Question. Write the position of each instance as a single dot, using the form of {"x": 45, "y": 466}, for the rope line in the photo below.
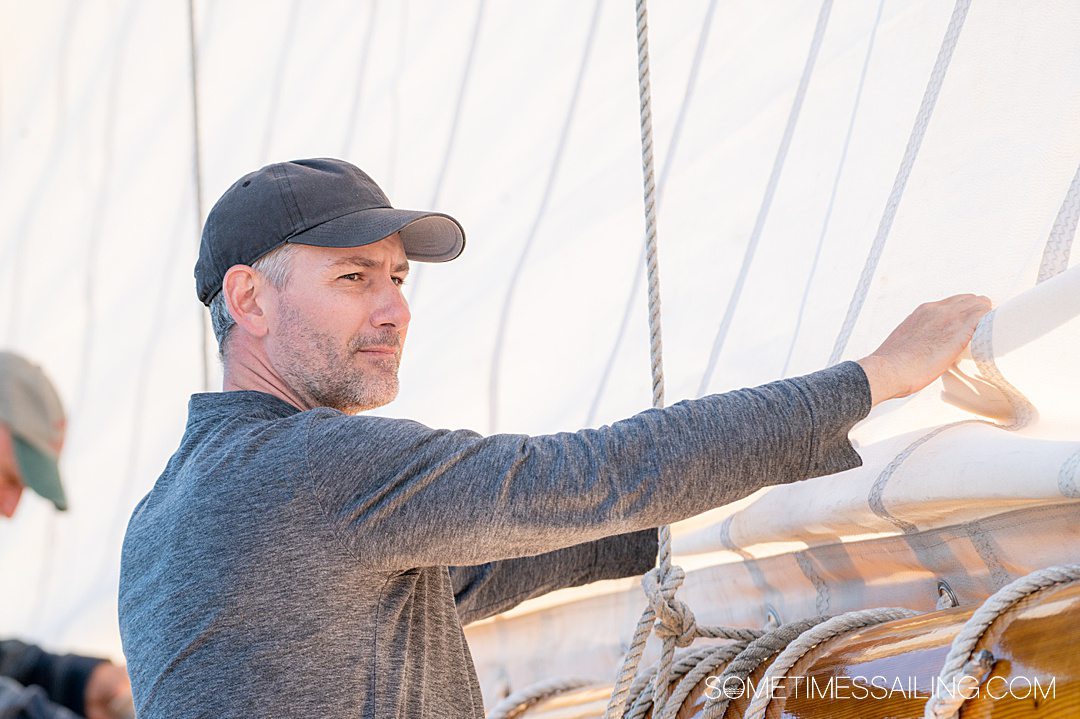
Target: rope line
{"x": 749, "y": 659}
{"x": 395, "y": 99}
{"x": 675, "y": 622}
{"x": 519, "y": 702}
{"x": 982, "y": 351}
{"x": 358, "y": 89}
{"x": 770, "y": 191}
{"x": 1068, "y": 476}
{"x": 911, "y": 152}
{"x": 196, "y": 171}
{"x": 669, "y": 161}
{"x": 962, "y": 672}
{"x": 451, "y": 139}
{"x": 835, "y": 190}
{"x": 809, "y": 639}
{"x": 1055, "y": 259}
{"x": 641, "y": 693}
{"x": 541, "y": 211}
{"x": 279, "y": 76}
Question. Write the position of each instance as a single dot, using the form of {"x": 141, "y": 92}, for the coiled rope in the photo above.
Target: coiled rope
{"x": 675, "y": 624}
{"x": 517, "y": 703}
{"x": 963, "y": 672}
{"x": 743, "y": 665}
{"x": 687, "y": 671}
{"x": 809, "y": 639}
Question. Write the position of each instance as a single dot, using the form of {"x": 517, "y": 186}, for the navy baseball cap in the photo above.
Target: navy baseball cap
{"x": 322, "y": 202}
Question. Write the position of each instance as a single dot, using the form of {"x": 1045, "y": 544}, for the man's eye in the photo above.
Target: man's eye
{"x": 351, "y": 276}
{"x": 399, "y": 281}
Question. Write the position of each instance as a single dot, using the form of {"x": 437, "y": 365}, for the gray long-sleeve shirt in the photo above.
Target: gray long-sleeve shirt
{"x": 296, "y": 564}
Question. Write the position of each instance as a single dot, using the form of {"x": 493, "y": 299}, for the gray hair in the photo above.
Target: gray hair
{"x": 274, "y": 266}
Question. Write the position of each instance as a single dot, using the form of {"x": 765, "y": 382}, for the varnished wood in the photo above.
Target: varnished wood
{"x": 1037, "y": 638}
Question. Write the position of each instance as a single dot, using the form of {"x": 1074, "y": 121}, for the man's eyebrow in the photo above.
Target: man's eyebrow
{"x": 367, "y": 262}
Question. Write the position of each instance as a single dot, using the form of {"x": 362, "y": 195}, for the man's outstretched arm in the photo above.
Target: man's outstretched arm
{"x": 403, "y": 495}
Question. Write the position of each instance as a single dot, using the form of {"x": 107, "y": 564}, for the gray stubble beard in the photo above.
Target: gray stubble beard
{"x": 335, "y": 382}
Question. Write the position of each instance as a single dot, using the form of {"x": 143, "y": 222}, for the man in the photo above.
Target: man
{"x": 35, "y": 684}
{"x": 294, "y": 557}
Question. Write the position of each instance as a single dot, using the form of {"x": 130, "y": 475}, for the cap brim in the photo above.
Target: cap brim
{"x": 426, "y": 236}
{"x": 40, "y": 472}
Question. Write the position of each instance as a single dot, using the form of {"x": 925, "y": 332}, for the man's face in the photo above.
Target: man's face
{"x": 338, "y": 326}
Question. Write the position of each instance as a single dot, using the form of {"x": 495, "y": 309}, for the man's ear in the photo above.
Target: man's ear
{"x": 242, "y": 288}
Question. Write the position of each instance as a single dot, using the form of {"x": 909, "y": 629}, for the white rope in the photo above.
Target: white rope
{"x": 982, "y": 351}
{"x": 766, "y": 202}
{"x": 506, "y": 308}
{"x": 911, "y": 152}
{"x": 756, "y": 652}
{"x": 665, "y": 170}
{"x": 811, "y": 276}
{"x": 418, "y": 272}
{"x": 705, "y": 667}
{"x": 808, "y": 640}
{"x": 1055, "y": 259}
{"x": 196, "y": 171}
{"x": 517, "y": 703}
{"x": 675, "y": 623}
{"x": 962, "y": 673}
{"x": 689, "y": 669}
{"x": 617, "y": 704}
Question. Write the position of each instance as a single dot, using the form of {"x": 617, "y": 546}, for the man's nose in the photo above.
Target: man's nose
{"x": 393, "y": 309}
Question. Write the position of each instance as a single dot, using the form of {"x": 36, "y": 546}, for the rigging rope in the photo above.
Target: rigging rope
{"x": 669, "y": 161}
{"x": 834, "y": 192}
{"x": 517, "y": 703}
{"x": 1055, "y": 259}
{"x": 451, "y": 139}
{"x": 204, "y": 315}
{"x": 911, "y": 152}
{"x": 541, "y": 211}
{"x": 740, "y": 668}
{"x": 809, "y": 639}
{"x": 962, "y": 672}
{"x": 770, "y": 191}
{"x": 358, "y": 90}
{"x": 675, "y": 622}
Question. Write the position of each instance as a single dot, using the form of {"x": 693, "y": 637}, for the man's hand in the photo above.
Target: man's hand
{"x": 923, "y": 346}
{"x": 108, "y": 693}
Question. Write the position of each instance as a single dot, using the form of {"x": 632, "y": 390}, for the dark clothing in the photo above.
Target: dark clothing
{"x": 41, "y": 685}
{"x": 298, "y": 562}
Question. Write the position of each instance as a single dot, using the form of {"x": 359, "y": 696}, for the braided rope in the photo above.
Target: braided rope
{"x": 809, "y": 639}
{"x": 675, "y": 623}
{"x": 1055, "y": 259}
{"x": 962, "y": 673}
{"x": 982, "y": 352}
{"x": 743, "y": 665}
{"x": 517, "y": 703}
{"x": 911, "y": 152}
{"x": 719, "y": 655}
{"x": 642, "y": 692}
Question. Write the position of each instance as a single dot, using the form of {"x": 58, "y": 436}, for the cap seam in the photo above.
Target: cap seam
{"x": 280, "y": 173}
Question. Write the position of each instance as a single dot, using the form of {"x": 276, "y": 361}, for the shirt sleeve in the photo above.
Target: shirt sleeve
{"x": 402, "y": 495}
{"x": 63, "y": 677}
{"x": 486, "y": 589}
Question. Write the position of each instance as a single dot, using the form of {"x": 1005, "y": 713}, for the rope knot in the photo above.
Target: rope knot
{"x": 674, "y": 618}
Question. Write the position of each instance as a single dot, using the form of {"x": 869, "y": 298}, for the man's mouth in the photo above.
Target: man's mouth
{"x": 381, "y": 350}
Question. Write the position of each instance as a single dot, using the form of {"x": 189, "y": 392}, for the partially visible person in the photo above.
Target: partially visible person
{"x": 35, "y": 684}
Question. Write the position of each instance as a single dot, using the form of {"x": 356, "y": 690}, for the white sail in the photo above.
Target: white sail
{"x": 823, "y": 168}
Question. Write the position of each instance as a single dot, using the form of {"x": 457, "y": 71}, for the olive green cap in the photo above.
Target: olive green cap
{"x": 32, "y": 411}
